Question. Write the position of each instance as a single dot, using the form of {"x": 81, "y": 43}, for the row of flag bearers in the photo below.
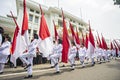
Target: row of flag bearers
{"x": 63, "y": 49}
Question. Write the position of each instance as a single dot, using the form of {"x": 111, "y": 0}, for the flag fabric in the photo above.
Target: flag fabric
{"x": 25, "y": 24}
{"x": 86, "y": 41}
{"x": 18, "y": 44}
{"x": 97, "y": 40}
{"x": 116, "y": 48}
{"x": 72, "y": 31}
{"x": 104, "y": 44}
{"x": 75, "y": 36}
{"x": 91, "y": 44}
{"x": 65, "y": 42}
{"x": 100, "y": 44}
{"x": 45, "y": 40}
{"x": 55, "y": 32}
{"x": 117, "y": 44}
{"x": 111, "y": 45}
{"x": 83, "y": 40}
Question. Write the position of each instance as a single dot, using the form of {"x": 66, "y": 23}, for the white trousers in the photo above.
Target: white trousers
{"x": 27, "y": 59}
{"x": 71, "y": 59}
{"x": 82, "y": 59}
{"x": 54, "y": 60}
{"x": 2, "y": 67}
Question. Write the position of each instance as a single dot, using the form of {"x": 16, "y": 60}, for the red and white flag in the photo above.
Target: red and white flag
{"x": 111, "y": 45}
{"x": 55, "y": 32}
{"x": 25, "y": 25}
{"x": 46, "y": 42}
{"x": 100, "y": 44}
{"x": 75, "y": 36}
{"x": 91, "y": 43}
{"x": 83, "y": 40}
{"x": 17, "y": 44}
{"x": 65, "y": 42}
{"x": 86, "y": 41}
{"x": 104, "y": 44}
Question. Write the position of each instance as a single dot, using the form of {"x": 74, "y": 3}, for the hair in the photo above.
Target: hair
{"x": 73, "y": 43}
{"x": 7, "y": 36}
{"x": 59, "y": 41}
{"x": 1, "y": 30}
{"x": 35, "y": 36}
{"x": 82, "y": 44}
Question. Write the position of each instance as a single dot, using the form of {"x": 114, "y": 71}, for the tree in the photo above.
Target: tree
{"x": 116, "y": 2}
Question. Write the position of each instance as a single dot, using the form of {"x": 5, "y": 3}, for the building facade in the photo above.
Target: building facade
{"x": 34, "y": 15}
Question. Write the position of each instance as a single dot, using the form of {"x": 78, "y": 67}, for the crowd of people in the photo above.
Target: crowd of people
{"x": 80, "y": 51}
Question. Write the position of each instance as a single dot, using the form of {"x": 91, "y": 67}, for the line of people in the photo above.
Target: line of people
{"x": 27, "y": 57}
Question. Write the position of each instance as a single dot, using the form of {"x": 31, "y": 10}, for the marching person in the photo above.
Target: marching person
{"x": 82, "y": 54}
{"x": 4, "y": 52}
{"x": 32, "y": 48}
{"x": 98, "y": 52}
{"x": 72, "y": 55}
{"x": 1, "y": 33}
{"x": 56, "y": 54}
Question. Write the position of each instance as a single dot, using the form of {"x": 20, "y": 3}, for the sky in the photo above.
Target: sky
{"x": 104, "y": 16}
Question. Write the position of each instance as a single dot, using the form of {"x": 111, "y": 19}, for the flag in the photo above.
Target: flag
{"x": 116, "y": 48}
{"x": 100, "y": 44}
{"x": 104, "y": 44}
{"x": 17, "y": 44}
{"x": 25, "y": 24}
{"x": 111, "y": 45}
{"x": 65, "y": 42}
{"x": 75, "y": 36}
{"x": 83, "y": 40}
{"x": 86, "y": 41}
{"x": 117, "y": 44}
{"x": 91, "y": 44}
{"x": 55, "y": 31}
{"x": 97, "y": 40}
{"x": 46, "y": 42}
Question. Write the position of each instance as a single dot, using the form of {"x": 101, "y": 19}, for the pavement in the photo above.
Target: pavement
{"x": 105, "y": 71}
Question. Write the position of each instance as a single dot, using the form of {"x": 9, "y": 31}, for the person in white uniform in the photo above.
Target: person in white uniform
{"x": 72, "y": 55}
{"x": 4, "y": 52}
{"x": 32, "y": 50}
{"x": 56, "y": 54}
{"x": 82, "y": 54}
{"x": 98, "y": 52}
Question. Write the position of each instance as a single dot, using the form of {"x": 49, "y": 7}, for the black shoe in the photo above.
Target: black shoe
{"x": 55, "y": 64}
{"x": 63, "y": 65}
{"x": 27, "y": 66}
{"x": 1, "y": 72}
{"x": 29, "y": 76}
{"x": 57, "y": 72}
{"x": 72, "y": 69}
{"x": 52, "y": 67}
{"x": 92, "y": 64}
{"x": 83, "y": 66}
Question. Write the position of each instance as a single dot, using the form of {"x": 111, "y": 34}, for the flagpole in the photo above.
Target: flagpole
{"x": 81, "y": 13}
{"x": 58, "y": 3}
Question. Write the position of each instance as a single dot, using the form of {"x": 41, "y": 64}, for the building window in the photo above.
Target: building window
{"x": 60, "y": 23}
{"x": 36, "y": 19}
{"x": 73, "y": 21}
{"x": 60, "y": 16}
{"x": 30, "y": 17}
{"x": 29, "y": 31}
{"x": 34, "y": 31}
{"x": 37, "y": 12}
{"x": 31, "y": 10}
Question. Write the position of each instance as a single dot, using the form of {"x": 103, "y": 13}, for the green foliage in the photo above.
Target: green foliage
{"x": 116, "y": 2}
